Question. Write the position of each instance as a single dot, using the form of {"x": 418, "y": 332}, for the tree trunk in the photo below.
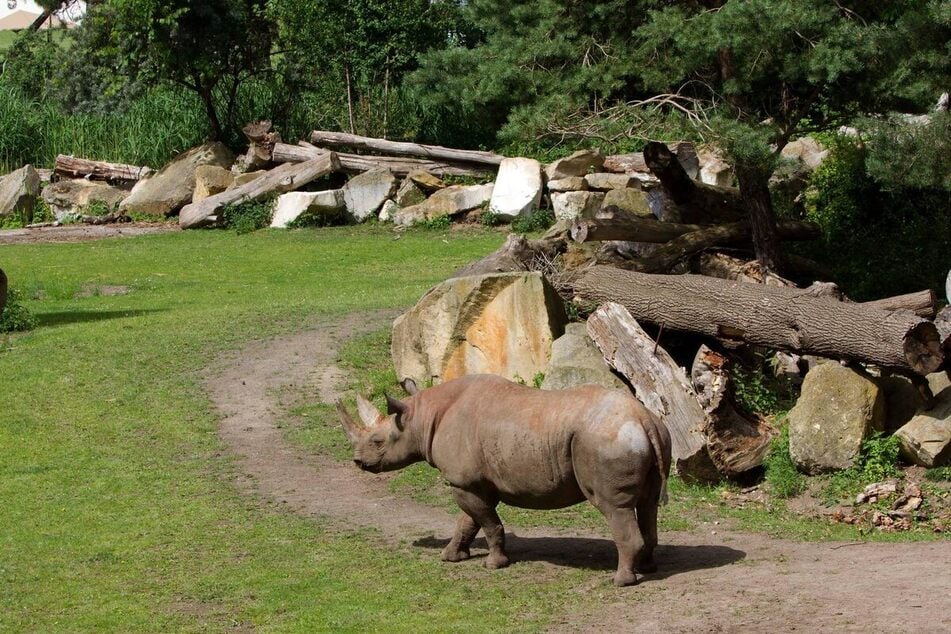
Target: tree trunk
{"x": 922, "y": 303}
{"x": 517, "y": 254}
{"x": 629, "y": 229}
{"x": 337, "y": 140}
{"x": 736, "y": 440}
{"x": 355, "y": 163}
{"x": 775, "y": 317}
{"x": 754, "y": 191}
{"x": 285, "y": 178}
{"x": 659, "y": 383}
{"x": 72, "y": 167}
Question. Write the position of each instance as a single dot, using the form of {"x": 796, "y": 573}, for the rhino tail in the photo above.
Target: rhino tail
{"x": 660, "y": 442}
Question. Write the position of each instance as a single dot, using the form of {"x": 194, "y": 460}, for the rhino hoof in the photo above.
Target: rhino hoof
{"x": 455, "y": 555}
{"x": 493, "y": 562}
{"x": 625, "y": 579}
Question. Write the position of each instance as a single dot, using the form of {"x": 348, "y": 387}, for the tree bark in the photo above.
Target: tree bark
{"x": 922, "y": 303}
{"x": 356, "y": 163}
{"x": 517, "y": 254}
{"x": 285, "y": 178}
{"x": 72, "y": 167}
{"x": 336, "y": 140}
{"x": 736, "y": 440}
{"x": 696, "y": 202}
{"x": 776, "y": 317}
{"x": 630, "y": 229}
{"x": 754, "y": 191}
{"x": 659, "y": 383}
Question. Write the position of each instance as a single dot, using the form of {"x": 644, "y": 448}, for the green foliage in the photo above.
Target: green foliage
{"x": 537, "y": 220}
{"x": 877, "y": 461}
{"x": 538, "y": 379}
{"x": 782, "y": 476}
{"x": 938, "y": 474}
{"x": 909, "y": 155}
{"x": 439, "y": 223}
{"x": 248, "y": 216}
{"x": 15, "y": 316}
{"x": 758, "y": 390}
{"x": 491, "y": 219}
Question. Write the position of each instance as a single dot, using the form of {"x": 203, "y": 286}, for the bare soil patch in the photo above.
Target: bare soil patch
{"x": 713, "y": 579}
{"x": 81, "y": 233}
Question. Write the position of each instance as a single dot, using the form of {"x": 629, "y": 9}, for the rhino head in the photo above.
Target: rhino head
{"x": 382, "y": 442}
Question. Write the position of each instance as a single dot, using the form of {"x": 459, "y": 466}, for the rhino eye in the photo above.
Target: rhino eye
{"x": 377, "y": 442}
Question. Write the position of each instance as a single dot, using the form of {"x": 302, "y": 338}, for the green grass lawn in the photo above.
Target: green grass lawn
{"x": 117, "y": 508}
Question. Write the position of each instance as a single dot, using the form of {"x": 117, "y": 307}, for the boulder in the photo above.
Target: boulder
{"x": 166, "y": 192}
{"x": 686, "y": 155}
{"x": 365, "y": 193}
{"x": 714, "y": 170}
{"x": 18, "y": 192}
{"x": 74, "y": 197}
{"x": 500, "y": 324}
{"x": 626, "y": 163}
{"x": 837, "y": 410}
{"x": 518, "y": 187}
{"x": 939, "y": 382}
{"x": 805, "y": 150}
{"x": 450, "y": 201}
{"x": 576, "y": 360}
{"x": 578, "y": 164}
{"x": 926, "y": 438}
{"x": 425, "y": 181}
{"x": 902, "y": 400}
{"x": 604, "y": 181}
{"x": 245, "y": 178}
{"x": 409, "y": 194}
{"x": 569, "y": 184}
{"x": 211, "y": 180}
{"x": 389, "y": 210}
{"x": 328, "y": 205}
{"x": 630, "y": 200}
{"x": 573, "y": 205}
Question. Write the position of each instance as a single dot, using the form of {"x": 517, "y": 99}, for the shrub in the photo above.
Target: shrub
{"x": 440, "y": 223}
{"x": 248, "y": 216}
{"x": 538, "y": 220}
{"x": 491, "y": 219}
{"x": 783, "y": 478}
{"x": 877, "y": 461}
{"x": 15, "y": 316}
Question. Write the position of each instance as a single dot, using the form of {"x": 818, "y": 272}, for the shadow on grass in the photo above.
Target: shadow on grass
{"x": 592, "y": 553}
{"x": 48, "y": 320}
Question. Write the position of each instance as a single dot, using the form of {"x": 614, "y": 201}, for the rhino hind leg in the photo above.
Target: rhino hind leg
{"x": 481, "y": 508}
{"x": 458, "y": 548}
{"x": 629, "y": 542}
{"x": 647, "y": 522}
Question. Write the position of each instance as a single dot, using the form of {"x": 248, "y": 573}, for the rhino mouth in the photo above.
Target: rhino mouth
{"x": 372, "y": 468}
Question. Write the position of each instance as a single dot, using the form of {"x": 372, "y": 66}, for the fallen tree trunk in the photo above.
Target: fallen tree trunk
{"x": 776, "y": 317}
{"x": 629, "y": 229}
{"x": 666, "y": 256}
{"x": 659, "y": 383}
{"x": 261, "y": 140}
{"x": 337, "y": 140}
{"x": 922, "y": 303}
{"x": 697, "y": 202}
{"x": 517, "y": 254}
{"x": 285, "y": 178}
{"x": 73, "y": 167}
{"x": 736, "y": 440}
{"x": 356, "y": 164}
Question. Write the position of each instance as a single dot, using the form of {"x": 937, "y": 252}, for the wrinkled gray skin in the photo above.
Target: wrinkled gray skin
{"x": 497, "y": 441}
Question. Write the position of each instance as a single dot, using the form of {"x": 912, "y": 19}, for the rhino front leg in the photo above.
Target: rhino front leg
{"x": 458, "y": 548}
{"x": 481, "y": 508}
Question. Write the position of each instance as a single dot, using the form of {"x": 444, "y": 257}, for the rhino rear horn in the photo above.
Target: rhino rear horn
{"x": 410, "y": 386}
{"x": 369, "y": 414}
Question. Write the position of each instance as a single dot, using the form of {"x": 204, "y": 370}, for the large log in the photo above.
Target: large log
{"x": 629, "y": 229}
{"x": 356, "y": 163}
{"x": 775, "y": 317}
{"x": 261, "y": 140}
{"x": 337, "y": 140}
{"x": 922, "y": 303}
{"x": 736, "y": 440}
{"x": 517, "y": 254}
{"x": 73, "y": 167}
{"x": 697, "y": 202}
{"x": 660, "y": 385}
{"x": 285, "y": 178}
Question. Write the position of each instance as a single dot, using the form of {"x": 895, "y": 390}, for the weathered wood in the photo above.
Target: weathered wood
{"x": 943, "y": 323}
{"x": 356, "y": 164}
{"x": 736, "y": 440}
{"x": 697, "y": 202}
{"x": 922, "y": 303}
{"x": 337, "y": 140}
{"x": 285, "y": 178}
{"x": 665, "y": 257}
{"x": 261, "y": 140}
{"x": 629, "y": 229}
{"x": 660, "y": 385}
{"x": 74, "y": 167}
{"x": 776, "y": 317}
{"x": 517, "y": 254}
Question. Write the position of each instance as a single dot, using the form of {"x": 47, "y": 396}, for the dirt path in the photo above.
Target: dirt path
{"x": 725, "y": 581}
{"x": 80, "y": 233}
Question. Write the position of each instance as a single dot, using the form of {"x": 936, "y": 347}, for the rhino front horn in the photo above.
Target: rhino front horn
{"x": 350, "y": 426}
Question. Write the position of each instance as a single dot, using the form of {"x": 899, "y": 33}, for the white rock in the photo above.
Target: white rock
{"x": 577, "y": 164}
{"x": 450, "y": 201}
{"x": 366, "y": 193}
{"x": 714, "y": 170}
{"x": 518, "y": 187}
{"x": 389, "y": 210}
{"x": 572, "y": 205}
{"x": 18, "y": 192}
{"x": 604, "y": 181}
{"x": 568, "y": 184}
{"x": 292, "y": 205}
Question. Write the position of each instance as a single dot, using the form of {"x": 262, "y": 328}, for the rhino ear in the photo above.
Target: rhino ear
{"x": 398, "y": 407}
{"x": 410, "y": 386}
{"x": 369, "y": 414}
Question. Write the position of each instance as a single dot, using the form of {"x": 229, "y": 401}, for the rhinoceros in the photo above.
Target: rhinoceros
{"x": 497, "y": 441}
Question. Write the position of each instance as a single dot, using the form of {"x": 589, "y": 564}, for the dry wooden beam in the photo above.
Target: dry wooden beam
{"x": 772, "y": 316}
{"x": 517, "y": 254}
{"x": 284, "y": 178}
{"x": 337, "y": 140}
{"x": 356, "y": 164}
{"x": 659, "y": 383}
{"x": 73, "y": 167}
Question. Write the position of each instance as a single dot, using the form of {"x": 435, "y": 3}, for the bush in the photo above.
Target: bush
{"x": 783, "y": 478}
{"x": 248, "y": 216}
{"x": 15, "y": 316}
{"x": 440, "y": 223}
{"x": 538, "y": 220}
{"x": 877, "y": 461}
